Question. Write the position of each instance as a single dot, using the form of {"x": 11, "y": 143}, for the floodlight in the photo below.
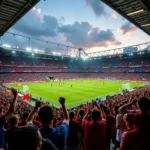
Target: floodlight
{"x": 55, "y": 53}
{"x": 135, "y": 12}
{"x": 72, "y": 55}
{"x": 59, "y": 54}
{"x": 35, "y": 50}
{"x": 13, "y": 52}
{"x": 41, "y": 51}
{"x": 85, "y": 57}
{"x": 28, "y": 49}
{"x": 6, "y": 45}
{"x": 145, "y": 25}
{"x": 32, "y": 54}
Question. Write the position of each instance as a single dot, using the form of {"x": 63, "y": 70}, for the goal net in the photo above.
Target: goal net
{"x": 25, "y": 89}
{"x": 126, "y": 86}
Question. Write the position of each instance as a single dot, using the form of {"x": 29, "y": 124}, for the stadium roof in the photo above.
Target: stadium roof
{"x": 136, "y": 11}
{"x": 12, "y": 10}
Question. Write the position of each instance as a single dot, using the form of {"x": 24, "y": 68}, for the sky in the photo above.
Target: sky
{"x": 89, "y": 24}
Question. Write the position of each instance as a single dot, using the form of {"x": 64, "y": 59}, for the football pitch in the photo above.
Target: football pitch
{"x": 76, "y": 92}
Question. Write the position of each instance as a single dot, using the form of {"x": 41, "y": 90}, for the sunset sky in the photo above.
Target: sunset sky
{"x": 89, "y": 24}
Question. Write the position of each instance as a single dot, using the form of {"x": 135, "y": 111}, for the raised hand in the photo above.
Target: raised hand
{"x": 93, "y": 102}
{"x": 14, "y": 92}
{"x": 133, "y": 101}
{"x": 62, "y": 100}
{"x": 101, "y": 105}
{"x": 88, "y": 109}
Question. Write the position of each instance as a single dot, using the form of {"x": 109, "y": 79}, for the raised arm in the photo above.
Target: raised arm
{"x": 100, "y": 108}
{"x": 110, "y": 108}
{"x": 87, "y": 112}
{"x": 103, "y": 116}
{"x": 13, "y": 105}
{"x": 32, "y": 114}
{"x": 124, "y": 107}
{"x": 62, "y": 101}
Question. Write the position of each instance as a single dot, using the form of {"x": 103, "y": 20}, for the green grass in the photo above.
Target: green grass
{"x": 81, "y": 91}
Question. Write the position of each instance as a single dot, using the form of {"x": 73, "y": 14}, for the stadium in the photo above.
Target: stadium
{"x": 88, "y": 98}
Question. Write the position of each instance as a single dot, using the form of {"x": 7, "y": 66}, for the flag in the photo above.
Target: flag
{"x": 26, "y": 97}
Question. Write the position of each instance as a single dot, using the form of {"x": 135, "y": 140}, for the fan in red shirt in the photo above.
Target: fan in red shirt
{"x": 110, "y": 126}
{"x": 81, "y": 115}
{"x": 139, "y": 139}
{"x": 74, "y": 131}
{"x": 94, "y": 132}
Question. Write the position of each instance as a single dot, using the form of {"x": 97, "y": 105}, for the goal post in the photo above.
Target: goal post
{"x": 25, "y": 89}
{"x": 126, "y": 86}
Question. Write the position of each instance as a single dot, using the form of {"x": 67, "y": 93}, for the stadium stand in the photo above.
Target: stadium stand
{"x": 79, "y": 127}
{"x": 15, "y": 67}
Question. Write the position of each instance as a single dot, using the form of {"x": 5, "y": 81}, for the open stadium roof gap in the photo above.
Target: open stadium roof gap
{"x": 147, "y": 43}
{"x": 54, "y": 50}
{"x": 122, "y": 50}
{"x": 32, "y": 38}
{"x": 12, "y": 10}
{"x": 135, "y": 11}
{"x": 140, "y": 49}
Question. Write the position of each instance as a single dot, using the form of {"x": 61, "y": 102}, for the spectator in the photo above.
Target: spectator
{"x": 23, "y": 119}
{"x": 1, "y": 111}
{"x": 36, "y": 121}
{"x": 119, "y": 120}
{"x": 128, "y": 119}
{"x": 119, "y": 127}
{"x": 110, "y": 125}
{"x": 81, "y": 115}
{"x": 74, "y": 131}
{"x": 57, "y": 135}
{"x": 9, "y": 134}
{"x": 59, "y": 121}
{"x": 47, "y": 145}
{"x": 5, "y": 117}
{"x": 29, "y": 138}
{"x": 139, "y": 138}
{"x": 94, "y": 132}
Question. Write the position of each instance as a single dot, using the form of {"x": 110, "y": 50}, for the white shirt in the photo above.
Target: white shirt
{"x": 120, "y": 123}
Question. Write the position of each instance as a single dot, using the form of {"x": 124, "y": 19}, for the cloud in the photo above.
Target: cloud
{"x": 34, "y": 24}
{"x": 50, "y": 28}
{"x": 84, "y": 35}
{"x": 97, "y": 7}
{"x": 127, "y": 29}
{"x": 113, "y": 15}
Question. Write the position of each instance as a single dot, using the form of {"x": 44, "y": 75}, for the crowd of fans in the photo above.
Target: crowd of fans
{"x": 30, "y": 77}
{"x": 15, "y": 68}
{"x": 121, "y": 121}
{"x": 61, "y": 62}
